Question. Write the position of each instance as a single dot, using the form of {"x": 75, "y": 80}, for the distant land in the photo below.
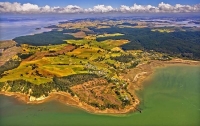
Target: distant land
{"x": 96, "y": 63}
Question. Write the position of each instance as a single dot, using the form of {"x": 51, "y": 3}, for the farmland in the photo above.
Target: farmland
{"x": 88, "y": 62}
{"x": 102, "y": 63}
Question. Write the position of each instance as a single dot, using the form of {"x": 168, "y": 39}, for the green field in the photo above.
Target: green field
{"x": 66, "y": 66}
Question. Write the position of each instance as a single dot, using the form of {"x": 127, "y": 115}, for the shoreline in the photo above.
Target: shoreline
{"x": 134, "y": 77}
{"x": 142, "y": 71}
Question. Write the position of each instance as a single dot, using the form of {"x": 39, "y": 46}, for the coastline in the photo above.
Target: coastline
{"x": 134, "y": 77}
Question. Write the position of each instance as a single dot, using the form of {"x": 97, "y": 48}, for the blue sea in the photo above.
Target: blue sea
{"x": 16, "y": 25}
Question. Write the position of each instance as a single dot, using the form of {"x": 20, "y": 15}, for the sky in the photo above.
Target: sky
{"x": 113, "y": 3}
{"x": 98, "y": 6}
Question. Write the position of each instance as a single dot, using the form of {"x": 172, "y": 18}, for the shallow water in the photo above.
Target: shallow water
{"x": 171, "y": 97}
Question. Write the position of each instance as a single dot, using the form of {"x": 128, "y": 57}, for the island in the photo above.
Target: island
{"x": 95, "y": 64}
{"x": 37, "y": 28}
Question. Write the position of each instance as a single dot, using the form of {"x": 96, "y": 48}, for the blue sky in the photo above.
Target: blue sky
{"x": 113, "y": 3}
{"x": 99, "y": 6}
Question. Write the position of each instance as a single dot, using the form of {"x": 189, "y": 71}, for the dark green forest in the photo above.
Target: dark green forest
{"x": 47, "y": 38}
{"x": 184, "y": 44}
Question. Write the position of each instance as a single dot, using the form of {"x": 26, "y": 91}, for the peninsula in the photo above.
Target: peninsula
{"x": 94, "y": 64}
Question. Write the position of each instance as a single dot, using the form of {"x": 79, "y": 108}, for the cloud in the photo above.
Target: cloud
{"x": 17, "y": 7}
{"x": 163, "y": 7}
{"x": 100, "y": 9}
{"x": 7, "y": 7}
{"x": 138, "y": 8}
{"x": 69, "y": 9}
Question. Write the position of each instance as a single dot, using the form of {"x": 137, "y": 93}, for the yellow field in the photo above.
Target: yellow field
{"x": 109, "y": 35}
{"x": 163, "y": 30}
{"x": 114, "y": 43}
{"x": 25, "y": 72}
